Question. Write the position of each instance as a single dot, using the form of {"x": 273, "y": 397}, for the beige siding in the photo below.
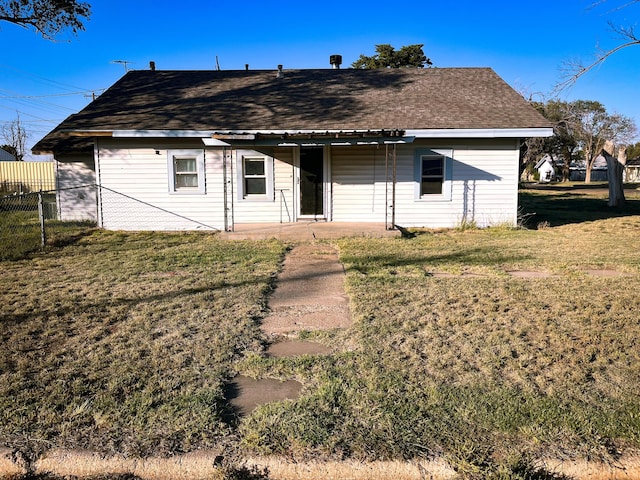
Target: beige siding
{"x": 484, "y": 185}
{"x": 33, "y": 176}
{"x": 135, "y": 189}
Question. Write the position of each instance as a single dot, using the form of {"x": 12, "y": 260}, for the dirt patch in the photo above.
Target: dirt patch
{"x": 293, "y": 348}
{"x": 244, "y": 393}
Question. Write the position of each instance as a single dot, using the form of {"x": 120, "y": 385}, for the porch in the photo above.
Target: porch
{"x": 308, "y": 231}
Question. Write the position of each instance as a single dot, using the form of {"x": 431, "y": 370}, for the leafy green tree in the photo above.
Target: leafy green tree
{"x": 386, "y": 56}
{"x": 633, "y": 151}
{"x": 564, "y": 142}
{"x": 47, "y": 17}
{"x": 581, "y": 129}
{"x": 595, "y": 126}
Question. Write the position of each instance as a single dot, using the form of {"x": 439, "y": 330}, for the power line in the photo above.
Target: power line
{"x": 61, "y": 85}
{"x": 84, "y": 93}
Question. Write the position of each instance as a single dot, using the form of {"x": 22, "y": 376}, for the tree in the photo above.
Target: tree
{"x": 409, "y": 56}
{"x": 633, "y": 151}
{"x": 594, "y": 127}
{"x": 581, "y": 129}
{"x": 15, "y": 138}
{"x": 564, "y": 142}
{"x": 47, "y": 17}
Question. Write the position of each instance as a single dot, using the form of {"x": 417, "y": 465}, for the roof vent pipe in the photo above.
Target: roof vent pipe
{"x": 246, "y": 66}
{"x": 280, "y": 73}
{"x": 152, "y": 66}
{"x": 336, "y": 61}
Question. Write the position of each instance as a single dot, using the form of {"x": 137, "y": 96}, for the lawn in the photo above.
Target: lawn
{"x": 122, "y": 343}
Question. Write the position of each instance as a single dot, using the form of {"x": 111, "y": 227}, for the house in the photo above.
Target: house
{"x": 632, "y": 171}
{"x": 6, "y": 156}
{"x": 174, "y": 150}
{"x": 546, "y": 169}
{"x": 599, "y": 170}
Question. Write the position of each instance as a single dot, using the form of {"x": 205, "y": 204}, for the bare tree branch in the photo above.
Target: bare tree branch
{"x": 576, "y": 69}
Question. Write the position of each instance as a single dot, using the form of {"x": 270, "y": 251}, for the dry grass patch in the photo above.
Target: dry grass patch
{"x": 121, "y": 343}
{"x": 490, "y": 372}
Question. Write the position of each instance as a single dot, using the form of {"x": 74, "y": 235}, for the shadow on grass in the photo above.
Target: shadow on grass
{"x": 570, "y": 208}
{"x": 463, "y": 257}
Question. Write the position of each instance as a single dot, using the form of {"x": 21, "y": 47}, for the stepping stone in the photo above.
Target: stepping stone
{"x": 529, "y": 274}
{"x": 244, "y": 393}
{"x": 293, "y": 348}
{"x": 309, "y": 293}
{"x": 607, "y": 273}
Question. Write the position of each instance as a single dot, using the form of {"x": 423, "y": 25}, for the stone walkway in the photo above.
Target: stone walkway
{"x": 309, "y": 295}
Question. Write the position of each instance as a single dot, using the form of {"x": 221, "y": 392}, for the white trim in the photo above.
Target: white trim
{"x": 269, "y": 196}
{"x": 161, "y": 133}
{"x": 198, "y": 155}
{"x": 419, "y": 133}
{"x": 326, "y": 182}
{"x": 481, "y": 133}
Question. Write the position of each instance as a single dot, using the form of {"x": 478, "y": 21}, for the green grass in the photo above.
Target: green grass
{"x": 123, "y": 342}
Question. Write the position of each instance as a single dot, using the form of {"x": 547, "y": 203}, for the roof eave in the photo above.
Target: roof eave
{"x": 481, "y": 132}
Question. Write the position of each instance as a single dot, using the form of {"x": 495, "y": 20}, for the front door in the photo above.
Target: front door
{"x": 312, "y": 182}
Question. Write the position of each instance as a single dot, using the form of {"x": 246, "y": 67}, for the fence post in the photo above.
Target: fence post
{"x": 43, "y": 233}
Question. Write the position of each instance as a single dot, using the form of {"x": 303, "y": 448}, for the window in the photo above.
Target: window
{"x": 186, "y": 171}
{"x": 433, "y": 174}
{"x": 255, "y": 178}
{"x": 254, "y": 175}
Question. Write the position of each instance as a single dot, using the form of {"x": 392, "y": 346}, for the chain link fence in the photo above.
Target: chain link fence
{"x": 30, "y": 221}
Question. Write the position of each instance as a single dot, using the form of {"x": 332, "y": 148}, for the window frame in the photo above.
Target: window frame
{"x": 187, "y": 154}
{"x": 447, "y": 175}
{"x": 241, "y": 157}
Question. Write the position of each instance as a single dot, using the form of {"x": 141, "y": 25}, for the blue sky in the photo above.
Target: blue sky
{"x": 525, "y": 42}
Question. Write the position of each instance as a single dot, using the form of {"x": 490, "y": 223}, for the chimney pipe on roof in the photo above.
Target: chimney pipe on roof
{"x": 280, "y": 73}
{"x": 246, "y": 66}
{"x": 336, "y": 61}
{"x": 152, "y": 66}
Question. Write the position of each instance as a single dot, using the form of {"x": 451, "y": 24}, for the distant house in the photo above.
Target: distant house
{"x": 177, "y": 150}
{"x": 599, "y": 171}
{"x": 6, "y": 156}
{"x": 545, "y": 169}
{"x": 632, "y": 171}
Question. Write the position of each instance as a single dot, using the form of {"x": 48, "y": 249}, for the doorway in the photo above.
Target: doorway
{"x": 312, "y": 182}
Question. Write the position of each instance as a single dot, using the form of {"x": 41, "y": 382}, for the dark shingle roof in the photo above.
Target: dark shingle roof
{"x": 434, "y": 98}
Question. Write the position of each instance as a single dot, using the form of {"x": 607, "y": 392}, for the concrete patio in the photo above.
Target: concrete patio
{"x": 304, "y": 231}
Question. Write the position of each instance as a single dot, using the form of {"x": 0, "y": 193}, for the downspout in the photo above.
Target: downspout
{"x": 231, "y": 183}
{"x": 99, "y": 206}
{"x": 393, "y": 189}
{"x": 386, "y": 187}
{"x": 224, "y": 188}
